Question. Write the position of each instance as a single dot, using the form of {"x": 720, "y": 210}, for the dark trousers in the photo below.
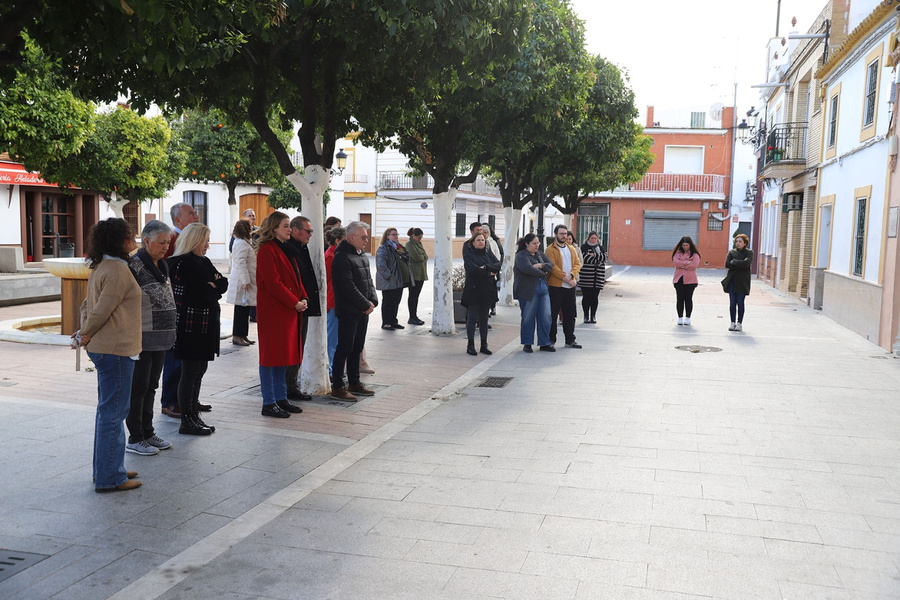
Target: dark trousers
{"x": 241, "y": 323}
{"x": 563, "y": 299}
{"x": 192, "y": 372}
{"x": 171, "y": 377}
{"x": 736, "y": 306}
{"x": 412, "y": 301}
{"x": 390, "y": 303}
{"x": 351, "y": 341}
{"x": 292, "y": 372}
{"x": 477, "y": 314}
{"x": 143, "y": 389}
{"x": 684, "y": 297}
{"x": 589, "y": 301}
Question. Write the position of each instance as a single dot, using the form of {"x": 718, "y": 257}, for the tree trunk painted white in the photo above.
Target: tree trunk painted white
{"x": 567, "y": 221}
{"x": 512, "y": 217}
{"x": 115, "y": 205}
{"x": 314, "y": 370}
{"x": 442, "y": 317}
{"x": 232, "y": 219}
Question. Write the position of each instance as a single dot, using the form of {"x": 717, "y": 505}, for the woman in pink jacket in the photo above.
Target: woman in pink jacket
{"x": 686, "y": 259}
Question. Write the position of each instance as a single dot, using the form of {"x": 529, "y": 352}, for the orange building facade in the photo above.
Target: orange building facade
{"x": 685, "y": 192}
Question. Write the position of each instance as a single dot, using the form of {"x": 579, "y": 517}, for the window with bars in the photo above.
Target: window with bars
{"x": 199, "y": 200}
{"x": 859, "y": 237}
{"x": 832, "y": 122}
{"x": 462, "y": 230}
{"x": 698, "y": 120}
{"x": 131, "y": 213}
{"x": 871, "y": 93}
{"x": 712, "y": 223}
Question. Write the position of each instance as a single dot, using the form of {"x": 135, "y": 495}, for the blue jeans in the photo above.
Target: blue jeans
{"x": 113, "y": 401}
{"x": 736, "y": 304}
{"x": 171, "y": 377}
{"x": 272, "y": 384}
{"x": 536, "y": 312}
{"x": 332, "y": 323}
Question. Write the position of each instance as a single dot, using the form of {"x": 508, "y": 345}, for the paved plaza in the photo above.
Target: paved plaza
{"x": 755, "y": 465}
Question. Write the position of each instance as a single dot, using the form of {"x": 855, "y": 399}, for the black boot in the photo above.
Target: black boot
{"x": 200, "y": 422}
{"x": 190, "y": 426}
{"x": 470, "y": 350}
{"x": 484, "y": 350}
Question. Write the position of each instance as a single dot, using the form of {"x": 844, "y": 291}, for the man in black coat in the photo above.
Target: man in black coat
{"x": 298, "y": 246}
{"x": 354, "y": 301}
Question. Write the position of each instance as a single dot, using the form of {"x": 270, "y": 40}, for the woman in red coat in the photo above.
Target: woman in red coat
{"x": 280, "y": 298}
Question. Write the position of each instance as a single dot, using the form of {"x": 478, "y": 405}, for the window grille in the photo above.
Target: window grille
{"x": 871, "y": 89}
{"x": 200, "y": 202}
{"x": 461, "y": 228}
{"x": 712, "y": 223}
{"x": 859, "y": 237}
{"x": 698, "y": 120}
{"x": 832, "y": 122}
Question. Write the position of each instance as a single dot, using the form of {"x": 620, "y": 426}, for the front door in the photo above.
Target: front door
{"x": 259, "y": 203}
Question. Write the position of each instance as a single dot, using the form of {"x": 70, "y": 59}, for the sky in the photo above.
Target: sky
{"x": 689, "y": 54}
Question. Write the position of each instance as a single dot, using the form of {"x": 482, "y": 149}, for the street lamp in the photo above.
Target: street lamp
{"x": 750, "y": 134}
{"x": 341, "y": 158}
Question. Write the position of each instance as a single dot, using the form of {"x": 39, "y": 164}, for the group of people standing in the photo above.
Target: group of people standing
{"x": 736, "y": 284}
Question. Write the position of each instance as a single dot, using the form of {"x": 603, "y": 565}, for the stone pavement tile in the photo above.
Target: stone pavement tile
{"x": 600, "y": 531}
{"x": 478, "y": 473}
{"x": 883, "y": 524}
{"x": 614, "y": 572}
{"x": 854, "y": 538}
{"x": 362, "y": 508}
{"x": 323, "y": 502}
{"x": 780, "y": 497}
{"x": 590, "y": 590}
{"x": 881, "y": 562}
{"x": 737, "y": 585}
{"x": 859, "y": 579}
{"x": 764, "y": 529}
{"x": 700, "y": 507}
{"x": 476, "y": 556}
{"x": 528, "y": 466}
{"x": 111, "y": 578}
{"x": 467, "y": 583}
{"x": 568, "y": 543}
{"x": 396, "y": 466}
{"x": 702, "y": 478}
{"x": 840, "y": 520}
{"x": 742, "y": 545}
{"x": 76, "y": 570}
{"x": 369, "y": 490}
{"x": 417, "y": 529}
{"x": 507, "y": 521}
{"x": 60, "y": 556}
{"x": 805, "y": 591}
{"x": 166, "y": 542}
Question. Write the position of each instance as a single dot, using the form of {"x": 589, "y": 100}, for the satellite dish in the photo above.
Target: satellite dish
{"x": 715, "y": 111}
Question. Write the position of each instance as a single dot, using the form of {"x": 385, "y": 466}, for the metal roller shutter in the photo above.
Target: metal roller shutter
{"x": 663, "y": 229}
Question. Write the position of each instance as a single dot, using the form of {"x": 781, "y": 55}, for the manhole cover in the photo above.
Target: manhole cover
{"x": 12, "y": 562}
{"x": 698, "y": 349}
{"x": 495, "y": 382}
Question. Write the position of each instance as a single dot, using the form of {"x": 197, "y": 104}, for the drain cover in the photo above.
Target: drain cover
{"x": 698, "y": 349}
{"x": 12, "y": 562}
{"x": 495, "y": 382}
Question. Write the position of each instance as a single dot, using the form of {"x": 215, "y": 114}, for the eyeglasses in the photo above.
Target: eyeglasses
{"x": 307, "y": 230}
{"x": 393, "y": 234}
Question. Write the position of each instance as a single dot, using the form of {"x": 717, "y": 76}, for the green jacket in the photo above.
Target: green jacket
{"x": 418, "y": 260}
{"x": 738, "y": 264}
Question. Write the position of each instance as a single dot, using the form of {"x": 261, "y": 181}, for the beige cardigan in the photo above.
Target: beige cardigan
{"x": 111, "y": 313}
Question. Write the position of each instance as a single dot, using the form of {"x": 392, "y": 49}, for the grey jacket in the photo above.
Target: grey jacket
{"x": 388, "y": 274}
{"x": 526, "y": 276}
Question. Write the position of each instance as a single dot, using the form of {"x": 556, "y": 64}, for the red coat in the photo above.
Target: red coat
{"x": 277, "y": 321}
{"x": 329, "y": 258}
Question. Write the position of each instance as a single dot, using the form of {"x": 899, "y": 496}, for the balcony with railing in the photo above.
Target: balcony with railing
{"x": 673, "y": 185}
{"x": 784, "y": 154}
{"x": 399, "y": 180}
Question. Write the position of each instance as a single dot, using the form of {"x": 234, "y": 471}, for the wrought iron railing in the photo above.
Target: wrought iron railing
{"x": 785, "y": 142}
{"x": 680, "y": 182}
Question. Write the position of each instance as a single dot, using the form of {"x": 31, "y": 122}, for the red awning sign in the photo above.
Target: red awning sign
{"x": 15, "y": 174}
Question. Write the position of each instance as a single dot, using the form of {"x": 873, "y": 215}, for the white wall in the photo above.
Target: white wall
{"x": 11, "y": 210}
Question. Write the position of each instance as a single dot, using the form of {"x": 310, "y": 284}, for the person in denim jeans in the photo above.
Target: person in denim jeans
{"x": 530, "y": 288}
{"x": 111, "y": 332}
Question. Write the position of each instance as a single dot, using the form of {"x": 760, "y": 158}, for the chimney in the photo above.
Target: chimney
{"x": 649, "y": 116}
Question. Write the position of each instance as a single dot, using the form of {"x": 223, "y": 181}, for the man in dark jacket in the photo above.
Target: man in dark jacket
{"x": 354, "y": 301}
{"x": 298, "y": 247}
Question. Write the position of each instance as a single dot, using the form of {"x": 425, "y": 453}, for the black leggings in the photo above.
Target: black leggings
{"x": 684, "y": 298}
{"x": 477, "y": 314}
{"x": 412, "y": 301}
{"x": 192, "y": 372}
{"x": 589, "y": 302}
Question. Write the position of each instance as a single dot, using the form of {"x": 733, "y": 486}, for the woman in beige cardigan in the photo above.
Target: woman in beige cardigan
{"x": 111, "y": 332}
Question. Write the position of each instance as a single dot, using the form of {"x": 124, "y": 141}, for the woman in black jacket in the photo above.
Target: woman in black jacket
{"x": 480, "y": 291}
{"x": 592, "y": 276}
{"x": 198, "y": 286}
{"x": 737, "y": 282}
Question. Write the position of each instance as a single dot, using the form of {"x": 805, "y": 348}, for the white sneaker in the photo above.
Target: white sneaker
{"x": 737, "y": 327}
{"x": 732, "y": 327}
{"x": 687, "y": 320}
{"x": 142, "y": 448}
{"x": 681, "y": 320}
{"x": 158, "y": 442}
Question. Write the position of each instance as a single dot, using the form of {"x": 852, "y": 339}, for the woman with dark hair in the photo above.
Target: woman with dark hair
{"x": 686, "y": 259}
{"x": 418, "y": 264}
{"x": 111, "y": 332}
{"x": 737, "y": 281}
{"x": 333, "y": 237}
{"x": 158, "y": 336}
{"x": 242, "y": 291}
{"x": 281, "y": 298}
{"x": 392, "y": 274}
{"x": 198, "y": 286}
{"x": 480, "y": 291}
{"x": 592, "y": 276}
{"x": 530, "y": 288}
